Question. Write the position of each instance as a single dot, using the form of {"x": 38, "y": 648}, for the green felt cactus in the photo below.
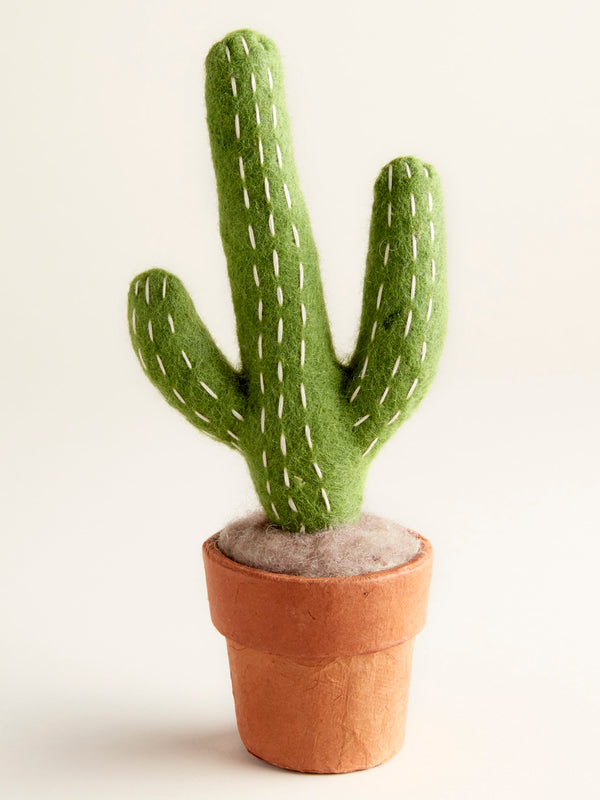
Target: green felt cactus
{"x": 307, "y": 424}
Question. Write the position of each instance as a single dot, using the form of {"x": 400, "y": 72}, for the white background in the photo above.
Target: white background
{"x": 114, "y": 684}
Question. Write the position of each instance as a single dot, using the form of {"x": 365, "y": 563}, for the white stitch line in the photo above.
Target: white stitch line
{"x": 296, "y": 235}
{"x": 386, "y": 255}
{"x": 390, "y": 177}
{"x": 171, "y": 323}
{"x": 280, "y": 331}
{"x": 303, "y": 395}
{"x": 143, "y": 363}
{"x": 432, "y": 231}
{"x": 161, "y": 365}
{"x": 361, "y": 420}
{"x": 147, "y": 290}
{"x": 186, "y": 359}
{"x": 280, "y": 407}
{"x": 413, "y": 287}
{"x": 280, "y": 371}
{"x": 326, "y": 500}
{"x": 303, "y": 313}
{"x": 292, "y": 505}
{"x": 286, "y": 192}
{"x": 237, "y": 126}
{"x": 253, "y": 245}
{"x": 308, "y": 436}
{"x": 374, "y": 330}
{"x": 412, "y": 388}
{"x": 408, "y": 321}
{"x": 426, "y": 171}
{"x": 228, "y": 54}
{"x": 396, "y": 365}
{"x": 136, "y": 288}
{"x": 394, "y": 418}
{"x": 150, "y": 333}
{"x": 133, "y": 321}
{"x": 371, "y": 446}
{"x": 408, "y": 172}
{"x": 178, "y": 396}
{"x": 279, "y": 156}
{"x": 271, "y": 224}
{"x": 429, "y": 310}
{"x": 237, "y": 415}
{"x": 202, "y": 417}
{"x": 264, "y": 459}
{"x": 363, "y": 371}
{"x": 208, "y": 389}
{"x": 389, "y": 215}
{"x": 270, "y": 78}
{"x": 282, "y": 444}
{"x": 286, "y": 477}
{"x": 276, "y": 263}
{"x": 430, "y": 201}
{"x": 379, "y": 293}
{"x": 233, "y": 436}
{"x": 302, "y": 352}
{"x": 414, "y": 246}
{"x": 318, "y": 470}
{"x": 423, "y": 351}
{"x": 301, "y": 275}
{"x": 164, "y": 287}
{"x": 356, "y": 391}
{"x": 384, "y": 395}
{"x": 413, "y": 210}
{"x": 433, "y": 269}
{"x": 280, "y": 295}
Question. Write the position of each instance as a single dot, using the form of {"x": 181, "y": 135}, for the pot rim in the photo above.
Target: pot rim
{"x": 317, "y": 617}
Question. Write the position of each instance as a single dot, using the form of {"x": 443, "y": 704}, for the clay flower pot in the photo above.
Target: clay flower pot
{"x": 320, "y": 667}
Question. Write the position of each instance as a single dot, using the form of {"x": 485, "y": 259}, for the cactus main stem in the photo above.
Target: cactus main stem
{"x": 307, "y": 425}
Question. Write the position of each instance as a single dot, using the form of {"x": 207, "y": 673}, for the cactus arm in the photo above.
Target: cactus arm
{"x": 404, "y": 302}
{"x": 181, "y": 359}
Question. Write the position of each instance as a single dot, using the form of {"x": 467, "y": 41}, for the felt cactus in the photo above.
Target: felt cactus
{"x": 307, "y": 425}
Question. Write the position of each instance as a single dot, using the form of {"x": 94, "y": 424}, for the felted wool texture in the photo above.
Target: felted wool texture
{"x": 307, "y": 425}
{"x": 368, "y": 545}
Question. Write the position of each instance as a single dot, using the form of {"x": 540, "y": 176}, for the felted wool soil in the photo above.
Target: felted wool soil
{"x": 369, "y": 545}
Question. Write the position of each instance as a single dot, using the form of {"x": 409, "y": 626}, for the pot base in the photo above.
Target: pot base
{"x": 324, "y": 715}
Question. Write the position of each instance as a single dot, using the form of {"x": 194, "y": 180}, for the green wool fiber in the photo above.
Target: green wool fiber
{"x": 307, "y": 425}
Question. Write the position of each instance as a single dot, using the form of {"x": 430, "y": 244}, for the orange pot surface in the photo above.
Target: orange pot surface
{"x": 320, "y": 667}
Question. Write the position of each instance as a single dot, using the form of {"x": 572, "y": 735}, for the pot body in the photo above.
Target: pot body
{"x": 320, "y": 667}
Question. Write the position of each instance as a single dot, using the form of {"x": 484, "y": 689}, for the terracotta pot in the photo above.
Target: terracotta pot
{"x": 320, "y": 667}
